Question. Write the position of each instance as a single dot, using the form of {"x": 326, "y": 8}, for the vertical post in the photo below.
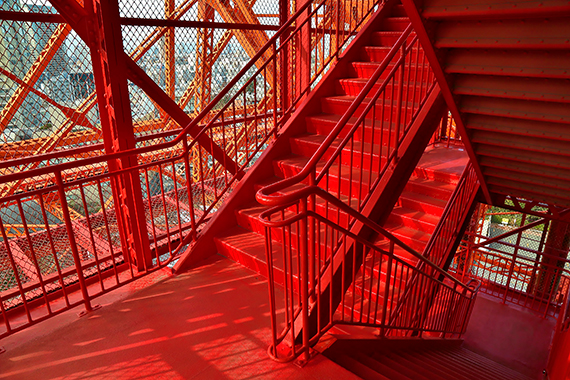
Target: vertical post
{"x": 303, "y": 51}
{"x": 110, "y": 73}
{"x": 399, "y": 101}
{"x": 72, "y": 243}
{"x": 169, "y": 51}
{"x": 304, "y": 279}
{"x": 513, "y": 263}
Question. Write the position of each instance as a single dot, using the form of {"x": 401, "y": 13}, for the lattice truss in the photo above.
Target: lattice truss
{"x": 48, "y": 107}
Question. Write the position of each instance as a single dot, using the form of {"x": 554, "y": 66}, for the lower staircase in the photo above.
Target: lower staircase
{"x": 417, "y": 359}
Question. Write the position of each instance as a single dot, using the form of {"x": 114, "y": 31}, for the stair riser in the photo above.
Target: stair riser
{"x": 366, "y": 69}
{"x": 437, "y": 176}
{"x": 252, "y": 223}
{"x": 347, "y": 188}
{"x": 381, "y": 134}
{"x": 436, "y": 192}
{"x": 353, "y": 88}
{"x": 415, "y": 223}
{"x": 413, "y": 243}
{"x": 378, "y": 54}
{"x": 388, "y": 113}
{"x": 395, "y": 24}
{"x": 420, "y": 206}
{"x": 388, "y": 38}
{"x": 356, "y": 159}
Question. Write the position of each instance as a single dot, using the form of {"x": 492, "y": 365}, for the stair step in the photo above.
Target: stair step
{"x": 422, "y": 203}
{"x": 409, "y": 236}
{"x": 383, "y": 110}
{"x": 388, "y": 38}
{"x": 395, "y": 23}
{"x": 353, "y": 87}
{"x": 381, "y": 367}
{"x": 356, "y": 308}
{"x": 432, "y": 367}
{"x": 358, "y": 368}
{"x": 363, "y": 69}
{"x": 248, "y": 218}
{"x": 433, "y": 372}
{"x": 435, "y": 189}
{"x": 419, "y": 220}
{"x": 400, "y": 367}
{"x": 245, "y": 247}
{"x": 360, "y": 157}
{"x": 361, "y": 178}
{"x": 323, "y": 124}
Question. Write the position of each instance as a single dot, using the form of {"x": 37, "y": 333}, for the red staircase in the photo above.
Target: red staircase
{"x": 417, "y": 360}
{"x": 416, "y": 214}
{"x": 244, "y": 242}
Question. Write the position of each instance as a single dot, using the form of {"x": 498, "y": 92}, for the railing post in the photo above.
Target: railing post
{"x": 311, "y": 238}
{"x": 515, "y": 254}
{"x": 399, "y": 101}
{"x": 304, "y": 279}
{"x": 72, "y": 242}
{"x": 189, "y": 186}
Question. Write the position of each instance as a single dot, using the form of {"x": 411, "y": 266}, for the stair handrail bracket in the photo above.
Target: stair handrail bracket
{"x": 308, "y": 274}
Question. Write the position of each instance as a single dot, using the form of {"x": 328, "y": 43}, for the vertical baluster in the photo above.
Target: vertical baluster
{"x": 73, "y": 244}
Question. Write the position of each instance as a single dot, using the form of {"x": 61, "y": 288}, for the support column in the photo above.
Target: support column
{"x": 110, "y": 72}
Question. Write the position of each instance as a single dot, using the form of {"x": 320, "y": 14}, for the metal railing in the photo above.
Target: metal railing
{"x": 377, "y": 276}
{"x": 454, "y": 215}
{"x": 308, "y": 237}
{"x": 533, "y": 280}
{"x": 63, "y": 231}
{"x": 367, "y": 138}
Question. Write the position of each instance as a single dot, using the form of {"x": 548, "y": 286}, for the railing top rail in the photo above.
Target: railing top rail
{"x": 315, "y": 190}
{"x": 267, "y": 195}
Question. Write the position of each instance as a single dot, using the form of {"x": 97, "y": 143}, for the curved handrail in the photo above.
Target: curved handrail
{"x": 315, "y": 190}
{"x": 265, "y": 195}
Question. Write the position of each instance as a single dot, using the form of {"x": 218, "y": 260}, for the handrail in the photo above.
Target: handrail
{"x": 306, "y": 292}
{"x": 265, "y": 195}
{"x": 315, "y": 190}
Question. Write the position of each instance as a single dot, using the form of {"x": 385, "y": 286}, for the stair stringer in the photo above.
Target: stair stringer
{"x": 244, "y": 192}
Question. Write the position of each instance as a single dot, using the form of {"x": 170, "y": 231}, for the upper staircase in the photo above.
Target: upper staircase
{"x": 244, "y": 241}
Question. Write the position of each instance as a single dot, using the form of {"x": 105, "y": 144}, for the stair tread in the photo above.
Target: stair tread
{"x": 423, "y": 198}
{"x": 418, "y": 215}
{"x": 358, "y": 146}
{"x": 400, "y": 367}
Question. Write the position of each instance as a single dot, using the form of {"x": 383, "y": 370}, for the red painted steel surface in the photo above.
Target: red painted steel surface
{"x": 114, "y": 232}
{"x": 438, "y": 306}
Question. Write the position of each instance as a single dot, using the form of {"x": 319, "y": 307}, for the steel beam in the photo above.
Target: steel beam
{"x": 429, "y": 50}
{"x": 42, "y": 61}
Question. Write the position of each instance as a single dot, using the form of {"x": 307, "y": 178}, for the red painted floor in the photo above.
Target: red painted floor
{"x": 209, "y": 323}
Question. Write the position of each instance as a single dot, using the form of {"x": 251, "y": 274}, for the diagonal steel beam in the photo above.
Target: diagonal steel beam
{"x": 78, "y": 18}
{"x": 443, "y": 81}
{"x": 42, "y": 61}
